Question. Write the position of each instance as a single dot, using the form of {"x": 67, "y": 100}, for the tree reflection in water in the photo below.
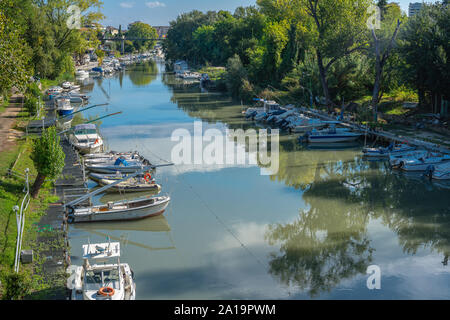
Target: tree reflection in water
{"x": 329, "y": 241}
{"x": 142, "y": 74}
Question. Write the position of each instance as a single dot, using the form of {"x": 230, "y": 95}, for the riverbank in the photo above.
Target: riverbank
{"x": 39, "y": 279}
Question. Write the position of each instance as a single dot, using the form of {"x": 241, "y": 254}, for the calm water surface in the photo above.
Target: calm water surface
{"x": 309, "y": 232}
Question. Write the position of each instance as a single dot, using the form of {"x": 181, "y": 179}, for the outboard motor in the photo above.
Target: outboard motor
{"x": 429, "y": 171}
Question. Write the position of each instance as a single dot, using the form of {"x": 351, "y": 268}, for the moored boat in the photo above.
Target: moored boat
{"x": 132, "y": 185}
{"x": 117, "y": 211}
{"x": 330, "y": 135}
{"x": 440, "y": 172}
{"x": 102, "y": 276}
{"x": 422, "y": 163}
{"x": 86, "y": 138}
{"x": 392, "y": 149}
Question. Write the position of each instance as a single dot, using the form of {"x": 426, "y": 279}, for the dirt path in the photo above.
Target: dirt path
{"x": 8, "y": 118}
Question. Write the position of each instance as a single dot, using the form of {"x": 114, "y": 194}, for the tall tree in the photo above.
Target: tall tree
{"x": 384, "y": 41}
{"x": 48, "y": 157}
{"x": 13, "y": 52}
{"x": 339, "y": 29}
{"x": 143, "y": 31}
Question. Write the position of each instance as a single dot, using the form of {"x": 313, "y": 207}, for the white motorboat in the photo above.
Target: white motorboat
{"x": 102, "y": 276}
{"x": 142, "y": 184}
{"x": 422, "y": 163}
{"x": 66, "y": 85}
{"x": 331, "y": 135}
{"x": 440, "y": 172}
{"x": 390, "y": 150}
{"x": 81, "y": 74}
{"x": 120, "y": 211}
{"x": 396, "y": 159}
{"x": 86, "y": 138}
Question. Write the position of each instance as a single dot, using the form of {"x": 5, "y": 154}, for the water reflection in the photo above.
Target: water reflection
{"x": 329, "y": 240}
{"x": 142, "y": 74}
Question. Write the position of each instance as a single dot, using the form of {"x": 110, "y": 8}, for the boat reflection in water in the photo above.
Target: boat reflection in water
{"x": 155, "y": 224}
{"x": 158, "y": 224}
{"x": 334, "y": 146}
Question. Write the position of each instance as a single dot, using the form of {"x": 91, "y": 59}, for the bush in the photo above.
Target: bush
{"x": 33, "y": 90}
{"x": 16, "y": 286}
{"x": 31, "y": 105}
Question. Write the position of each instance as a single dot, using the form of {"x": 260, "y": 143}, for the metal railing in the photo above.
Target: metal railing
{"x": 20, "y": 219}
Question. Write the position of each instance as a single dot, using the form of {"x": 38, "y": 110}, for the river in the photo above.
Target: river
{"x": 310, "y": 231}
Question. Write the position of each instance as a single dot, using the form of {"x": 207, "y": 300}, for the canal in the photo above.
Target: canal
{"x": 309, "y": 231}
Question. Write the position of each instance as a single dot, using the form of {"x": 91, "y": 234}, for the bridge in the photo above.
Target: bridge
{"x": 123, "y": 39}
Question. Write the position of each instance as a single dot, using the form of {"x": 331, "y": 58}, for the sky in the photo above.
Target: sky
{"x": 161, "y": 12}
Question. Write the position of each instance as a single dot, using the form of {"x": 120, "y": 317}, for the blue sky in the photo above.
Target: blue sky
{"x": 161, "y": 12}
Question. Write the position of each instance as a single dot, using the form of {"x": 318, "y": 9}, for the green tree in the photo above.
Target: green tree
{"x": 13, "y": 52}
{"x": 384, "y": 41}
{"x": 425, "y": 46}
{"x": 48, "y": 158}
{"x": 143, "y": 31}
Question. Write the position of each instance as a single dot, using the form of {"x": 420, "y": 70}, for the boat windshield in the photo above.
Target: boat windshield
{"x": 85, "y": 131}
{"x": 96, "y": 279}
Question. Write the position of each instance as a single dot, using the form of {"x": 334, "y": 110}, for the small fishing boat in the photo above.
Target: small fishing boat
{"x": 109, "y": 154}
{"x": 102, "y": 276}
{"x": 392, "y": 149}
{"x": 112, "y": 158}
{"x": 63, "y": 106}
{"x": 142, "y": 184}
{"x": 439, "y": 172}
{"x": 332, "y": 134}
{"x": 86, "y": 138}
{"x": 118, "y": 211}
{"x": 422, "y": 163}
{"x": 81, "y": 74}
{"x": 396, "y": 159}
{"x": 100, "y": 176}
{"x": 120, "y": 165}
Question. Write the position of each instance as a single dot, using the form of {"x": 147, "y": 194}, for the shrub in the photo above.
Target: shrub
{"x": 31, "y": 105}
{"x": 16, "y": 286}
{"x": 33, "y": 90}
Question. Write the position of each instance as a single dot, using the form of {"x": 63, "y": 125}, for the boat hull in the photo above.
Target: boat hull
{"x": 333, "y": 138}
{"x": 125, "y": 215}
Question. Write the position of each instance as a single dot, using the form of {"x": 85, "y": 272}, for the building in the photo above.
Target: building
{"x": 162, "y": 31}
{"x": 414, "y": 8}
{"x": 112, "y": 30}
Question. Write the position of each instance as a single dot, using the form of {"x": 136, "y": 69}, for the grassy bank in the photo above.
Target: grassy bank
{"x": 18, "y": 158}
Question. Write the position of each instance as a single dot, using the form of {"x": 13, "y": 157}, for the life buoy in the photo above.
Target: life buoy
{"x": 106, "y": 291}
{"x": 148, "y": 177}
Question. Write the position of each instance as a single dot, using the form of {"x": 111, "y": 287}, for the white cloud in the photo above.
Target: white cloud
{"x": 127, "y": 4}
{"x": 155, "y": 4}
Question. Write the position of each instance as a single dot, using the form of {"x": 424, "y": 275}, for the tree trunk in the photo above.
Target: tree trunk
{"x": 40, "y": 179}
{"x": 323, "y": 80}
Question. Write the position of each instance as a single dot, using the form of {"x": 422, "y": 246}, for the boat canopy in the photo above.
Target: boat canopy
{"x": 120, "y": 161}
{"x": 89, "y": 126}
{"x": 101, "y": 250}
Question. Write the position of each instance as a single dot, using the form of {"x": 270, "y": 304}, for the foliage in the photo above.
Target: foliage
{"x": 13, "y": 52}
{"x": 425, "y": 47}
{"x": 17, "y": 285}
{"x": 145, "y": 31}
{"x": 48, "y": 156}
{"x": 31, "y": 105}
